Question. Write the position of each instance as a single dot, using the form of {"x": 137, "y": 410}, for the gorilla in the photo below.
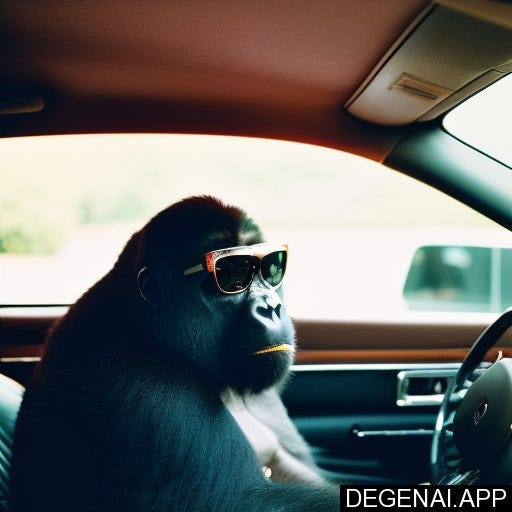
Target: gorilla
{"x": 159, "y": 389}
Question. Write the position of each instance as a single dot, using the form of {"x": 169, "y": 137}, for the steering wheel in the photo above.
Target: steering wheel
{"x": 472, "y": 439}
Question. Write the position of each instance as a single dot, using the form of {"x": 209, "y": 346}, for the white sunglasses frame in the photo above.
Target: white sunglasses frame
{"x": 257, "y": 250}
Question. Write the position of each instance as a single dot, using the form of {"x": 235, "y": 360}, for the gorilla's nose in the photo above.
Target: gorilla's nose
{"x": 268, "y": 311}
{"x": 265, "y": 307}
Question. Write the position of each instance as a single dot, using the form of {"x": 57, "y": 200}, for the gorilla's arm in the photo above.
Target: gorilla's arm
{"x": 165, "y": 429}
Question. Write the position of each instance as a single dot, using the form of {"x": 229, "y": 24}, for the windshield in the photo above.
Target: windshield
{"x": 483, "y": 121}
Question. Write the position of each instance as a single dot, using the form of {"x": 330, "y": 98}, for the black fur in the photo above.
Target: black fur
{"x": 123, "y": 413}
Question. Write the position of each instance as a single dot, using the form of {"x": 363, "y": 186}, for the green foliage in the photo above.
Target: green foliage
{"x": 52, "y": 189}
{"x": 25, "y": 240}
{"x": 29, "y": 224}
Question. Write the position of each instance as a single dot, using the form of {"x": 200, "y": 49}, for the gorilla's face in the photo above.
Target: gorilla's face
{"x": 242, "y": 339}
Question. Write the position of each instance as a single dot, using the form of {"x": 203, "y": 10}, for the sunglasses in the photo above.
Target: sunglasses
{"x": 234, "y": 268}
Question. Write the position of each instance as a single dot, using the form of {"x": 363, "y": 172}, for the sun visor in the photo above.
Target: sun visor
{"x": 445, "y": 56}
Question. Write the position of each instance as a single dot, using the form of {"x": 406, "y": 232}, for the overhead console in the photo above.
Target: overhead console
{"x": 452, "y": 50}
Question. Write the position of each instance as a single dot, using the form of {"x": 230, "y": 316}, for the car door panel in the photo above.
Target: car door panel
{"x": 348, "y": 399}
{"x": 358, "y": 432}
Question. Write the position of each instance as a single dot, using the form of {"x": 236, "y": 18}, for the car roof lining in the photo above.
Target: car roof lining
{"x": 209, "y": 51}
{"x": 337, "y": 130}
{"x": 263, "y": 69}
{"x": 270, "y": 69}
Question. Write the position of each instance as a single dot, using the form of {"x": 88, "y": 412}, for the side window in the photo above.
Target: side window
{"x": 353, "y": 226}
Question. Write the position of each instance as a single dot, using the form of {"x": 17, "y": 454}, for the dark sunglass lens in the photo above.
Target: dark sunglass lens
{"x": 234, "y": 273}
{"x": 273, "y": 266}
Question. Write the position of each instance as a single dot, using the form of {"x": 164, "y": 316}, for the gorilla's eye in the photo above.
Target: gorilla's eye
{"x": 273, "y": 266}
{"x": 234, "y": 273}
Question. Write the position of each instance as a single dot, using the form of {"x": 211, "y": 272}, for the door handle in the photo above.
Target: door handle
{"x": 430, "y": 387}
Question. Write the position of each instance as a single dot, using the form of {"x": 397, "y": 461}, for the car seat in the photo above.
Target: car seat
{"x": 11, "y": 394}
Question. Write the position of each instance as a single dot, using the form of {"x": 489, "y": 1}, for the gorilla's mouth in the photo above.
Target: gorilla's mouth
{"x": 285, "y": 347}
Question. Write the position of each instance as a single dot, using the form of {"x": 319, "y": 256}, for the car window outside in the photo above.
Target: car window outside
{"x": 483, "y": 121}
{"x": 353, "y": 226}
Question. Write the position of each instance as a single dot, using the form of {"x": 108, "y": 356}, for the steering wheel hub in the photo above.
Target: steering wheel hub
{"x": 482, "y": 422}
{"x": 472, "y": 441}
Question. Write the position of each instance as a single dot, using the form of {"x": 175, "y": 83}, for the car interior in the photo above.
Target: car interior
{"x": 371, "y": 392}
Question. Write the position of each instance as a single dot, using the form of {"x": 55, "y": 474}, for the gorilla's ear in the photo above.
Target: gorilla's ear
{"x": 148, "y": 287}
